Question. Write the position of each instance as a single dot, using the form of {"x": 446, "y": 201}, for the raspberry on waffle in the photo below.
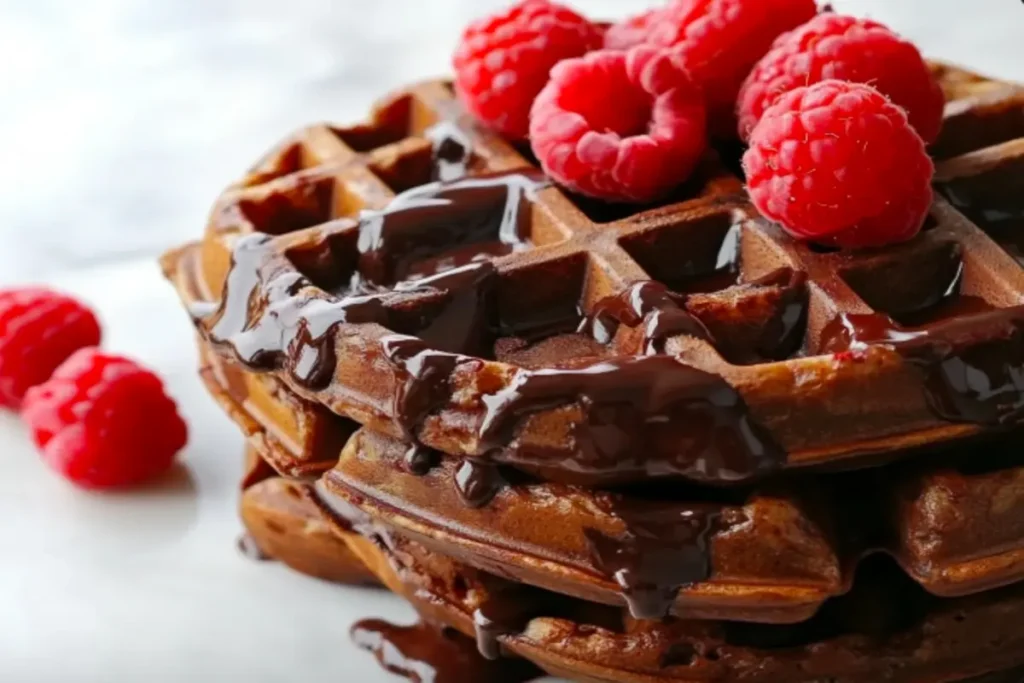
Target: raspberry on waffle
{"x": 507, "y": 391}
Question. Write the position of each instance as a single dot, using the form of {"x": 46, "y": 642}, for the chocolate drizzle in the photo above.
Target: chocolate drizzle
{"x": 973, "y": 367}
{"x": 661, "y": 313}
{"x": 644, "y": 417}
{"x": 478, "y": 481}
{"x": 663, "y": 549}
{"x": 442, "y": 218}
{"x": 424, "y": 653}
{"x": 501, "y": 616}
{"x": 453, "y": 151}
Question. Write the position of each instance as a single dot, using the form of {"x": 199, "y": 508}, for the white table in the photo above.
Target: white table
{"x": 119, "y": 122}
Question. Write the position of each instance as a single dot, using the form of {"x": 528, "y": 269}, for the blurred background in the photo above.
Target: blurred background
{"x": 122, "y": 119}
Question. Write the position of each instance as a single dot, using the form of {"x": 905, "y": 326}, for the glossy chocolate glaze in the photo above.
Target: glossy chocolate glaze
{"x": 478, "y": 481}
{"x": 677, "y": 419}
{"x": 965, "y": 381}
{"x": 442, "y": 218}
{"x": 647, "y": 416}
{"x": 649, "y": 304}
{"x": 663, "y": 549}
{"x": 453, "y": 151}
{"x": 425, "y": 653}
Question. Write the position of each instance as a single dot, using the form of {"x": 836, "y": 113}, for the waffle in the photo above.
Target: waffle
{"x": 340, "y": 306}
{"x": 451, "y": 362}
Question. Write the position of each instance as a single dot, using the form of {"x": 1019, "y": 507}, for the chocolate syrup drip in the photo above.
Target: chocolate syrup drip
{"x": 784, "y": 334}
{"x": 661, "y": 313}
{"x": 438, "y": 217}
{"x": 478, "y": 482}
{"x": 644, "y": 417}
{"x": 273, "y": 317}
{"x": 419, "y": 460}
{"x": 664, "y": 549}
{"x": 973, "y": 368}
{"x": 453, "y": 151}
{"x": 250, "y": 548}
{"x": 499, "y": 617}
{"x": 424, "y": 653}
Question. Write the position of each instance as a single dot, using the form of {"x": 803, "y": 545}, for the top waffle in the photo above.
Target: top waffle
{"x": 495, "y": 314}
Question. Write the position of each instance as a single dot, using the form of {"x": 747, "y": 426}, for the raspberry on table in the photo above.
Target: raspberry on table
{"x": 846, "y": 49}
{"x": 39, "y": 329}
{"x": 719, "y": 42}
{"x": 502, "y": 62}
{"x": 625, "y": 126}
{"x": 103, "y": 421}
{"x": 631, "y": 32}
{"x": 837, "y": 163}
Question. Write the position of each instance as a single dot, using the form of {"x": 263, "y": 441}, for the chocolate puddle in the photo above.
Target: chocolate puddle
{"x": 424, "y": 653}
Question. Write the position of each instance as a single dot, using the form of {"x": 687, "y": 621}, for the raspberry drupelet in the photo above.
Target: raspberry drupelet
{"x": 503, "y": 61}
{"x": 626, "y": 126}
{"x": 837, "y": 163}
{"x": 834, "y": 46}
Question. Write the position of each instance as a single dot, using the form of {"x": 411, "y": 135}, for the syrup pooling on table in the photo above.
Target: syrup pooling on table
{"x": 425, "y": 653}
{"x": 965, "y": 381}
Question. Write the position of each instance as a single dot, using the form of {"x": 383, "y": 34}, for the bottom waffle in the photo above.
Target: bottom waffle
{"x": 283, "y": 524}
{"x": 885, "y": 629}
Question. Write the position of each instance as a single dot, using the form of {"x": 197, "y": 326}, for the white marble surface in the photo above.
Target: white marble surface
{"x": 119, "y": 122}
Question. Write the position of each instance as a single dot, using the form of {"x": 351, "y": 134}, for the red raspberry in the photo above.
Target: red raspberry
{"x": 623, "y": 126}
{"x": 721, "y": 40}
{"x": 846, "y": 49}
{"x": 837, "y": 163}
{"x": 631, "y": 32}
{"x": 103, "y": 421}
{"x": 39, "y": 329}
{"x": 503, "y": 62}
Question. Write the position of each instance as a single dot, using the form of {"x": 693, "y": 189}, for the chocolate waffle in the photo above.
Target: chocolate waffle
{"x": 508, "y": 346}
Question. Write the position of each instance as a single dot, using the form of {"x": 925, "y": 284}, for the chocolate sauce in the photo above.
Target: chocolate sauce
{"x": 650, "y": 304}
{"x": 453, "y": 151}
{"x": 501, "y": 616}
{"x": 424, "y": 653}
{"x": 271, "y": 319}
{"x": 995, "y": 204}
{"x": 441, "y": 217}
{"x": 419, "y": 460}
{"x": 784, "y": 333}
{"x": 664, "y": 548}
{"x": 478, "y": 482}
{"x": 973, "y": 367}
{"x": 425, "y": 375}
{"x": 644, "y": 417}
{"x": 250, "y": 548}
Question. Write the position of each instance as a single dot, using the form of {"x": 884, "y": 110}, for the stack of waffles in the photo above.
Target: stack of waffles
{"x": 631, "y": 444}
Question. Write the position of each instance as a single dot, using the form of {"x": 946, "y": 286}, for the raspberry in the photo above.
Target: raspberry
{"x": 846, "y": 49}
{"x": 103, "y": 421}
{"x": 631, "y": 32}
{"x": 719, "y": 42}
{"x": 39, "y": 328}
{"x": 503, "y": 62}
{"x": 623, "y": 126}
{"x": 837, "y": 163}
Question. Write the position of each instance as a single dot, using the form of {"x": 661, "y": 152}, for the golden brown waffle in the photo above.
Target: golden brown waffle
{"x": 885, "y": 628}
{"x": 780, "y": 335}
{"x": 568, "y": 344}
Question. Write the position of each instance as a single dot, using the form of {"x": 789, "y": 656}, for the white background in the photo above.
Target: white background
{"x": 120, "y": 121}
